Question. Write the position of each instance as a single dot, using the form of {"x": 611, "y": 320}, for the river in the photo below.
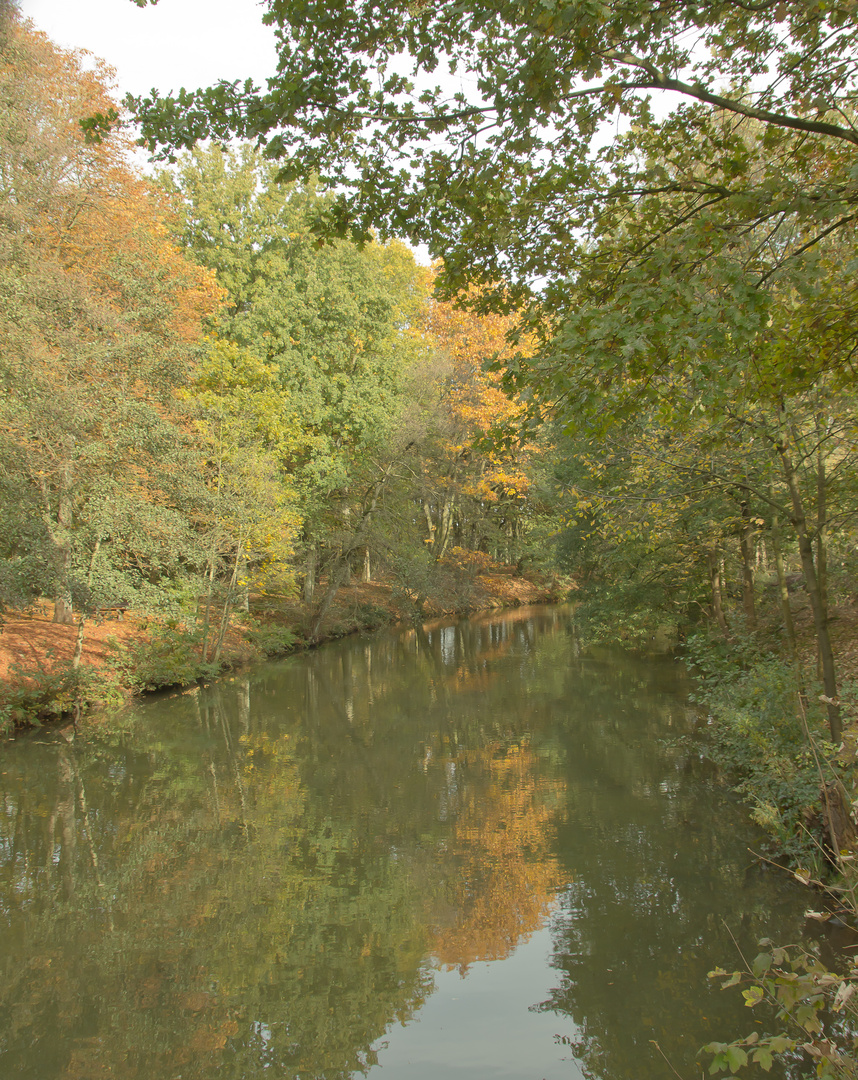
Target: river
{"x": 475, "y": 852}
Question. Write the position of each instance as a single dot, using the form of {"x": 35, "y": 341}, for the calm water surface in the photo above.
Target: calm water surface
{"x": 474, "y": 852}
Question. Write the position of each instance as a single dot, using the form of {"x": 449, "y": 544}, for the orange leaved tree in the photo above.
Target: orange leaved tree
{"x": 472, "y": 495}
{"x": 100, "y": 318}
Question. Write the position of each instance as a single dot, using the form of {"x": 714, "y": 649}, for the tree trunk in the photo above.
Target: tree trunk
{"x": 762, "y": 558}
{"x": 341, "y": 570}
{"x": 309, "y": 586}
{"x": 366, "y": 575}
{"x": 783, "y": 592}
{"x": 442, "y": 536}
{"x": 227, "y": 602}
{"x": 244, "y": 590}
{"x": 208, "y": 609}
{"x": 78, "y": 644}
{"x": 430, "y": 524}
{"x": 61, "y": 537}
{"x": 63, "y": 607}
{"x": 63, "y": 610}
{"x": 714, "y": 565}
{"x": 839, "y": 828}
{"x": 745, "y": 540}
{"x": 821, "y": 537}
{"x": 820, "y": 618}
{"x": 335, "y": 581}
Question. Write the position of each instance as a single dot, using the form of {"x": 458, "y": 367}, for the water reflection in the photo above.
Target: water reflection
{"x": 276, "y": 871}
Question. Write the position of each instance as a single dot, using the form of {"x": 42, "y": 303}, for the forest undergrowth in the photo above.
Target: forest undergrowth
{"x": 766, "y": 727}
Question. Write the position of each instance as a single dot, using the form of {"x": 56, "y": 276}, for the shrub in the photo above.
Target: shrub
{"x": 760, "y": 717}
{"x": 171, "y": 657}
{"x": 33, "y": 695}
{"x": 369, "y": 616}
{"x": 817, "y": 1006}
{"x": 272, "y": 640}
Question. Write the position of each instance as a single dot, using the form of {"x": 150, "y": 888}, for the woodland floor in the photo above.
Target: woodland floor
{"x": 30, "y": 642}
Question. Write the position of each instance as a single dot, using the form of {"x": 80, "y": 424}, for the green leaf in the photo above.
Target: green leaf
{"x": 763, "y": 1058}
{"x": 762, "y": 962}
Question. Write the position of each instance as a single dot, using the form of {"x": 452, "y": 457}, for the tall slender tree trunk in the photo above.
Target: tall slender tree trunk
{"x": 312, "y": 568}
{"x": 210, "y": 574}
{"x": 745, "y": 546}
{"x": 227, "y": 602}
{"x": 63, "y": 606}
{"x": 761, "y": 561}
{"x": 821, "y": 536}
{"x": 244, "y": 590}
{"x": 212, "y": 567}
{"x": 78, "y": 643}
{"x": 820, "y": 618}
{"x": 714, "y": 564}
{"x": 430, "y": 524}
{"x": 442, "y": 536}
{"x": 61, "y": 536}
{"x": 783, "y": 591}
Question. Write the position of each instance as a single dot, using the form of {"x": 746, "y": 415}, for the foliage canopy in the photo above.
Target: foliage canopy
{"x": 540, "y": 135}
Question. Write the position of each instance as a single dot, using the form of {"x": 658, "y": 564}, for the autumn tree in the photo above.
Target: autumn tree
{"x": 101, "y": 317}
{"x": 504, "y": 876}
{"x": 472, "y": 494}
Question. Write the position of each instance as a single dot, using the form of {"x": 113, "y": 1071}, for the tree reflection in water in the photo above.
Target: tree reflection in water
{"x": 265, "y": 874}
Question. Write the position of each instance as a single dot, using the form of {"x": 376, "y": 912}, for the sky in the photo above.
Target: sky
{"x": 190, "y": 43}
{"x": 178, "y": 43}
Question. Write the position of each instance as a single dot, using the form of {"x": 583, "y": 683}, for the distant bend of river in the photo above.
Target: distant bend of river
{"x": 473, "y": 851}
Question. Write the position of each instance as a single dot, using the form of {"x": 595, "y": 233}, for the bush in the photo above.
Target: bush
{"x": 758, "y": 712}
{"x": 32, "y": 696}
{"x": 817, "y": 1006}
{"x": 633, "y": 616}
{"x": 272, "y": 640}
{"x": 762, "y": 723}
{"x": 369, "y": 616}
{"x": 171, "y": 657}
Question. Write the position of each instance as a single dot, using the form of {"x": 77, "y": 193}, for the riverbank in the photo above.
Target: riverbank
{"x": 121, "y": 656}
{"x": 769, "y": 733}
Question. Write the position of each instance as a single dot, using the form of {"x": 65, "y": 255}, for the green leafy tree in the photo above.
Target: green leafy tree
{"x": 739, "y": 457}
{"x": 338, "y": 324}
{"x": 250, "y": 522}
{"x": 501, "y": 165}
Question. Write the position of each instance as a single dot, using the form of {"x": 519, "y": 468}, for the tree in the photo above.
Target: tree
{"x": 101, "y": 318}
{"x": 505, "y": 875}
{"x": 472, "y": 495}
{"x": 513, "y": 162}
{"x": 758, "y": 393}
{"x": 250, "y": 523}
{"x": 337, "y": 324}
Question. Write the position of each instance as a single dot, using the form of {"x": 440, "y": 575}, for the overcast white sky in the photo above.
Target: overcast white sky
{"x": 188, "y": 43}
